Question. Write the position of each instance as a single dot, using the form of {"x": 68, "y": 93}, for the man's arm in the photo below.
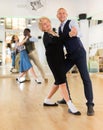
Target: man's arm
{"x": 75, "y": 31}
{"x": 33, "y": 39}
{"x": 23, "y": 41}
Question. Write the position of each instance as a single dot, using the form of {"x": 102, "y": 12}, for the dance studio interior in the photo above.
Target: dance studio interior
{"x": 21, "y": 103}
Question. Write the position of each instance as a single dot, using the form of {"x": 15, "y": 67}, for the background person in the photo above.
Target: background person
{"x": 25, "y": 64}
{"x": 15, "y": 69}
{"x": 32, "y": 53}
{"x": 13, "y": 52}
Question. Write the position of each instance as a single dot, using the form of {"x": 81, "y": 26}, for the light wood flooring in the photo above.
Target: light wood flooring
{"x": 21, "y": 104}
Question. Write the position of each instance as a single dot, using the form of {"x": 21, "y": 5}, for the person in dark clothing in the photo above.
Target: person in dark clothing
{"x": 55, "y": 58}
{"x": 76, "y": 55}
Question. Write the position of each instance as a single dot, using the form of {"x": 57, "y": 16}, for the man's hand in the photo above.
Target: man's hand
{"x": 73, "y": 32}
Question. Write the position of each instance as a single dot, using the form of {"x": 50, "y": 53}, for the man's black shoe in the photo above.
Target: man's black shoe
{"x": 61, "y": 101}
{"x": 90, "y": 111}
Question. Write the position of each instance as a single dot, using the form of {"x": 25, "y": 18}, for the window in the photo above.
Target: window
{"x": 15, "y": 23}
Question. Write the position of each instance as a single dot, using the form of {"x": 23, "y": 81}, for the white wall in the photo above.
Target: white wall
{"x": 2, "y": 38}
{"x": 95, "y": 9}
{"x": 96, "y": 38}
{"x": 84, "y": 28}
{"x": 96, "y": 34}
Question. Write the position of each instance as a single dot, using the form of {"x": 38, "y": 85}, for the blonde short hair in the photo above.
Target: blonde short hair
{"x": 41, "y": 21}
{"x": 62, "y": 9}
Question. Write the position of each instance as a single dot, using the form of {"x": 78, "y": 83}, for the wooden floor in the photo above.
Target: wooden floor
{"x": 21, "y": 105}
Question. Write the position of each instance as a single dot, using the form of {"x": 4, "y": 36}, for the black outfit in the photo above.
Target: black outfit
{"x": 76, "y": 55}
{"x": 55, "y": 57}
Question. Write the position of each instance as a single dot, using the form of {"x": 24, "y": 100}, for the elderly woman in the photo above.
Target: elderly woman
{"x": 55, "y": 58}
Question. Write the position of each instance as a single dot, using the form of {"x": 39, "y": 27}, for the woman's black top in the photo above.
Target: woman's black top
{"x": 55, "y": 57}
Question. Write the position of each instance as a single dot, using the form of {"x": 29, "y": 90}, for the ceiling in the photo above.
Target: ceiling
{"x": 38, "y": 8}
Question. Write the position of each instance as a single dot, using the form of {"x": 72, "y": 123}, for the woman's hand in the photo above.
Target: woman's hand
{"x": 24, "y": 40}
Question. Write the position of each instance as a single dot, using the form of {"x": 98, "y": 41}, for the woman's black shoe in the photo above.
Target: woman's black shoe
{"x": 78, "y": 113}
{"x": 61, "y": 101}
{"x": 54, "y": 104}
